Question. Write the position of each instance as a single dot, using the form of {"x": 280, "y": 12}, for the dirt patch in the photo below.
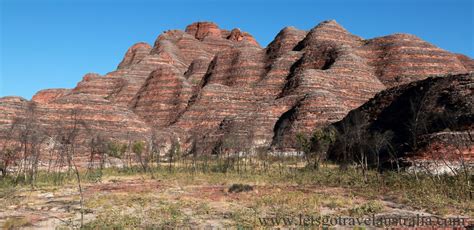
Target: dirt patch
{"x": 132, "y": 186}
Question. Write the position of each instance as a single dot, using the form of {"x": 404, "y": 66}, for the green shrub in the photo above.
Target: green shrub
{"x": 115, "y": 149}
{"x": 138, "y": 147}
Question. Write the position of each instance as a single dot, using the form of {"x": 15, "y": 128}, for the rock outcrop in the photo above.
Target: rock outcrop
{"x": 211, "y": 89}
{"x": 428, "y": 119}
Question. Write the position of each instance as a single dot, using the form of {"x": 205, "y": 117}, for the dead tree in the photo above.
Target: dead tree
{"x": 30, "y": 135}
{"x": 68, "y": 136}
{"x": 9, "y": 152}
{"x": 173, "y": 153}
{"x": 415, "y": 122}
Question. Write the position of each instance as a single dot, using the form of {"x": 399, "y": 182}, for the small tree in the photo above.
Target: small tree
{"x": 320, "y": 142}
{"x": 138, "y": 148}
{"x": 415, "y": 122}
{"x": 379, "y": 143}
{"x": 304, "y": 146}
{"x": 7, "y": 157}
{"x": 154, "y": 150}
{"x": 174, "y": 152}
{"x": 30, "y": 135}
{"x": 67, "y": 140}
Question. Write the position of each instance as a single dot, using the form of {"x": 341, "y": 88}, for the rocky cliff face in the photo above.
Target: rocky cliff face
{"x": 428, "y": 119}
{"x": 212, "y": 89}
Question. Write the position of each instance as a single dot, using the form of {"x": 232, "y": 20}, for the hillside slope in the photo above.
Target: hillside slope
{"x": 211, "y": 89}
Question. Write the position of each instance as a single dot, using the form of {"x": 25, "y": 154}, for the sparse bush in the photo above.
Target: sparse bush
{"x": 138, "y": 147}
{"x": 7, "y": 157}
{"x": 320, "y": 142}
{"x": 371, "y": 207}
{"x": 315, "y": 147}
{"x": 116, "y": 149}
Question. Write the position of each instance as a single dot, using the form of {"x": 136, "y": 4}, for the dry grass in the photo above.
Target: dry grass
{"x": 134, "y": 199}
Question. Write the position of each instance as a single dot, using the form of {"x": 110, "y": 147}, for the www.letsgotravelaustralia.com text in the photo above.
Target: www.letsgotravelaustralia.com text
{"x": 376, "y": 221}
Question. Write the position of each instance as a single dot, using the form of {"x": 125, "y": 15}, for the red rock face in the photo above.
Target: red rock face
{"x": 47, "y": 95}
{"x": 402, "y": 58}
{"x": 10, "y": 108}
{"x": 163, "y": 97}
{"x": 92, "y": 116}
{"x": 329, "y": 32}
{"x": 466, "y": 61}
{"x": 135, "y": 54}
{"x": 96, "y": 115}
{"x": 217, "y": 89}
{"x": 97, "y": 85}
{"x": 200, "y": 30}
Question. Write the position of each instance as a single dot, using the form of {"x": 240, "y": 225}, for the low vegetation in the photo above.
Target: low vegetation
{"x": 208, "y": 194}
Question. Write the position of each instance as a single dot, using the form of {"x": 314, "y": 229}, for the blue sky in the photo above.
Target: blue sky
{"x": 53, "y": 43}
